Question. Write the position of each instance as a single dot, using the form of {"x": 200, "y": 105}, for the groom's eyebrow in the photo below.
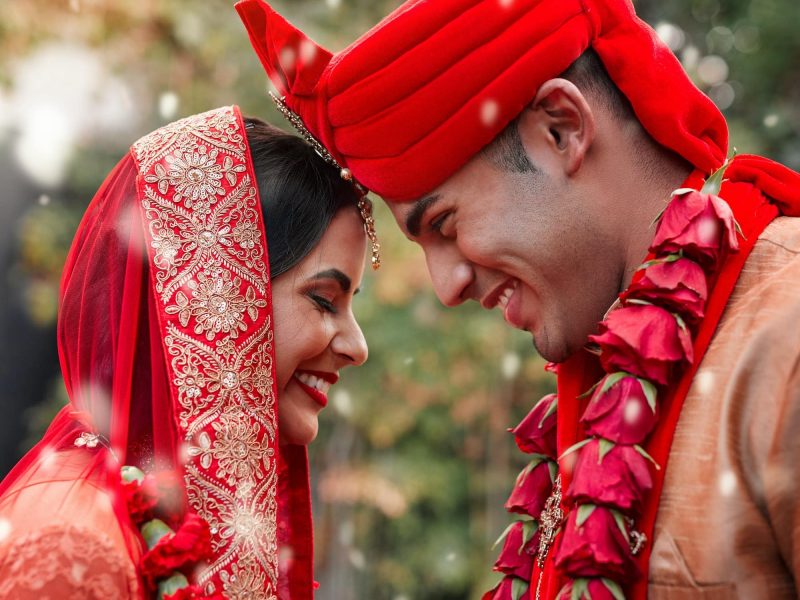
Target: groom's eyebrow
{"x": 414, "y": 217}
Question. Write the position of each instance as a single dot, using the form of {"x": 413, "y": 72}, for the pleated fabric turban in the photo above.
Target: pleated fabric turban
{"x": 411, "y": 101}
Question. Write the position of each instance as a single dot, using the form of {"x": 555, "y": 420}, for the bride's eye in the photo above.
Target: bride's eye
{"x": 322, "y": 302}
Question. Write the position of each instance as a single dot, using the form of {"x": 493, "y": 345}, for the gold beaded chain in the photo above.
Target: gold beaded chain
{"x": 364, "y": 203}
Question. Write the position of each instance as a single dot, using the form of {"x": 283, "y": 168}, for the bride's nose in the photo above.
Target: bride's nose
{"x": 349, "y": 343}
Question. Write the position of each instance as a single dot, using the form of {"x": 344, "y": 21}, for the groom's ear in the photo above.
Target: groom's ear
{"x": 558, "y": 127}
{"x": 292, "y": 60}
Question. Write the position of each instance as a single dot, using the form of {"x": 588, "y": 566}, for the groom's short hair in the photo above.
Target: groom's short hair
{"x": 589, "y": 75}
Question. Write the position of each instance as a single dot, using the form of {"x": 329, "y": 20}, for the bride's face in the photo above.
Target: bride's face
{"x": 316, "y": 334}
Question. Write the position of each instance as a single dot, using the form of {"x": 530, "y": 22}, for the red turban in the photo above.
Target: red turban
{"x": 410, "y": 102}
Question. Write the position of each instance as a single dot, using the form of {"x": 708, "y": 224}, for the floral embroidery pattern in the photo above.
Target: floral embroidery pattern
{"x": 243, "y": 583}
{"x": 239, "y": 453}
{"x": 216, "y": 304}
{"x": 209, "y": 271}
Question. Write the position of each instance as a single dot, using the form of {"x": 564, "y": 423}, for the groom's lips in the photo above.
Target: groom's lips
{"x": 492, "y": 299}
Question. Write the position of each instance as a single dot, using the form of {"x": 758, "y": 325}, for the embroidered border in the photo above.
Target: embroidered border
{"x": 207, "y": 253}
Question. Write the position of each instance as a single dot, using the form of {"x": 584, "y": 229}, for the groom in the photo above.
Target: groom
{"x": 529, "y": 146}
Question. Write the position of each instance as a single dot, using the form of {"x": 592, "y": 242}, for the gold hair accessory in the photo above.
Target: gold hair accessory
{"x": 364, "y": 203}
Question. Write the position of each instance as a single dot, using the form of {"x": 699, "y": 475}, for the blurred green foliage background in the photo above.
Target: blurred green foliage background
{"x": 413, "y": 463}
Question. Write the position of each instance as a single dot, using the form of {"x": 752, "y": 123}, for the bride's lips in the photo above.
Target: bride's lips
{"x": 316, "y": 384}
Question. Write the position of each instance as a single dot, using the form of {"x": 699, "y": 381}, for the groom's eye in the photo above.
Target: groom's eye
{"x": 438, "y": 223}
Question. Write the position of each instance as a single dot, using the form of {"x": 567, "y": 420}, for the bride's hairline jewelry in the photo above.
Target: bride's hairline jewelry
{"x": 364, "y": 203}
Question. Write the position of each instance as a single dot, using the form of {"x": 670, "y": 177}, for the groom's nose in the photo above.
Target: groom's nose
{"x": 451, "y": 275}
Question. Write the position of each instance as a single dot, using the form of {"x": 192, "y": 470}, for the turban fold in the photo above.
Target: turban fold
{"x": 411, "y": 101}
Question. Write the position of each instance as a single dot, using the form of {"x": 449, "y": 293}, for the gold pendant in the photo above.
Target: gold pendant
{"x": 550, "y": 522}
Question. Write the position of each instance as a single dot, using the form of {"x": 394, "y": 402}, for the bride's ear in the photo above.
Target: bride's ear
{"x": 560, "y": 122}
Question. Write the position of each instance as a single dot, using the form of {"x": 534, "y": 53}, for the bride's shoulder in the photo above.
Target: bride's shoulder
{"x": 60, "y": 538}
{"x": 66, "y": 561}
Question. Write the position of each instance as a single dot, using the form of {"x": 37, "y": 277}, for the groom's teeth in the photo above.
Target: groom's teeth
{"x": 502, "y": 301}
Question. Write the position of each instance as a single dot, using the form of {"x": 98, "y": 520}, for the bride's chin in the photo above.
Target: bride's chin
{"x": 297, "y": 422}
{"x": 301, "y": 434}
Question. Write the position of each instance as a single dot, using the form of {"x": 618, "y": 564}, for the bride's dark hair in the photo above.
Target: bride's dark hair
{"x": 300, "y": 193}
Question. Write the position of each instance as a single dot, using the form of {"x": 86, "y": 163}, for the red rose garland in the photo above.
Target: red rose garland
{"x": 644, "y": 347}
{"x": 171, "y": 555}
{"x": 535, "y": 435}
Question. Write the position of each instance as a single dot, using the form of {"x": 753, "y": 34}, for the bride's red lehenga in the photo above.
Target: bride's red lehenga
{"x": 165, "y": 339}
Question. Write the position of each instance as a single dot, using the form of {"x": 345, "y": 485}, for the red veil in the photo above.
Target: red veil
{"x": 166, "y": 345}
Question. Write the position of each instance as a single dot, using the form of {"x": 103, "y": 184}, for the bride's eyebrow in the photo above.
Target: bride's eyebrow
{"x": 335, "y": 274}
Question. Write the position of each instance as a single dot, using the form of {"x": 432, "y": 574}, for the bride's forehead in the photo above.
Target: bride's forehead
{"x": 342, "y": 247}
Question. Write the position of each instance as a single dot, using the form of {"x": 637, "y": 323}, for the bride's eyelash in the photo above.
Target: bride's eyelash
{"x": 323, "y": 303}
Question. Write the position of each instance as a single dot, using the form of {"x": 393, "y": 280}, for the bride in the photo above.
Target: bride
{"x": 205, "y": 313}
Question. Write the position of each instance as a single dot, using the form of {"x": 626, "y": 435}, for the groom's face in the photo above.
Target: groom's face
{"x": 525, "y": 243}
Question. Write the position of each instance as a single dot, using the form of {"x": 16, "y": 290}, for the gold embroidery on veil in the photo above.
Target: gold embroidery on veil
{"x": 208, "y": 256}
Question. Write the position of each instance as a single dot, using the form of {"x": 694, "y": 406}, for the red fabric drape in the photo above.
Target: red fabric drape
{"x": 121, "y": 372}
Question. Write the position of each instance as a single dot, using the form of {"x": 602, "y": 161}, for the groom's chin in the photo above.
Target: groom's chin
{"x": 555, "y": 350}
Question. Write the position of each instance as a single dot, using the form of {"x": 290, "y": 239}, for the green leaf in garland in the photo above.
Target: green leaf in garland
{"x": 518, "y": 588}
{"x": 657, "y": 261}
{"x": 575, "y": 447}
{"x": 612, "y": 380}
{"x": 153, "y": 531}
{"x": 660, "y": 214}
{"x": 507, "y": 530}
{"x": 738, "y": 229}
{"x": 681, "y": 322}
{"x": 613, "y": 587}
{"x": 682, "y": 191}
{"x": 169, "y": 586}
{"x": 650, "y": 392}
{"x": 644, "y": 453}
{"x": 503, "y": 535}
{"x": 584, "y": 512}
{"x": 714, "y": 183}
{"x": 580, "y": 589}
{"x": 553, "y": 467}
{"x": 621, "y": 524}
{"x": 593, "y": 348}
{"x": 551, "y": 410}
{"x": 131, "y": 474}
{"x": 529, "y": 529}
{"x": 606, "y": 446}
{"x": 589, "y": 392}
{"x": 535, "y": 462}
{"x": 638, "y": 302}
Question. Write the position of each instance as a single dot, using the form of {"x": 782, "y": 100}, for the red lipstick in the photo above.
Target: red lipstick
{"x": 316, "y": 395}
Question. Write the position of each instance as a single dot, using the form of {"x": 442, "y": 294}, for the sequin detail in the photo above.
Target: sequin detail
{"x": 209, "y": 271}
